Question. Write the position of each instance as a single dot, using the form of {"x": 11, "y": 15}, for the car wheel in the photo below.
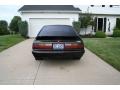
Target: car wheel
{"x": 76, "y": 58}
{"x": 41, "y": 59}
{"x": 38, "y": 58}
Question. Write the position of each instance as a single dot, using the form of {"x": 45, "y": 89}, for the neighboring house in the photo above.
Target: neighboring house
{"x": 39, "y": 15}
{"x": 105, "y": 17}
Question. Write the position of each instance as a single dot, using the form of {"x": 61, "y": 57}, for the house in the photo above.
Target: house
{"x": 39, "y": 15}
{"x": 105, "y": 17}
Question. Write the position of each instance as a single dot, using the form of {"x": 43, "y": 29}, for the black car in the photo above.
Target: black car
{"x": 56, "y": 41}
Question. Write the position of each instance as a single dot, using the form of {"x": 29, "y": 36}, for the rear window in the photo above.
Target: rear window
{"x": 57, "y": 30}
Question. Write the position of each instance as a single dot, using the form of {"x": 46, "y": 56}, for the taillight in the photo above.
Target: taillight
{"x": 42, "y": 46}
{"x": 74, "y": 46}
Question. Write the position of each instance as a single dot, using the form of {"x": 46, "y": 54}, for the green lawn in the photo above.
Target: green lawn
{"x": 106, "y": 48}
{"x": 7, "y": 41}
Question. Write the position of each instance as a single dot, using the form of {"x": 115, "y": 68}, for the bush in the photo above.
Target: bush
{"x": 100, "y": 34}
{"x": 3, "y": 27}
{"x": 23, "y": 28}
{"x": 116, "y": 28}
{"x": 88, "y": 36}
{"x": 77, "y": 26}
{"x": 14, "y": 24}
{"x": 116, "y": 33}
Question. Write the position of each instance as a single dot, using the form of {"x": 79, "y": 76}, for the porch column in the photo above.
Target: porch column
{"x": 97, "y": 25}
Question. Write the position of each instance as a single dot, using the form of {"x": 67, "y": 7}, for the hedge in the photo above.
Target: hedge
{"x": 116, "y": 33}
{"x": 100, "y": 34}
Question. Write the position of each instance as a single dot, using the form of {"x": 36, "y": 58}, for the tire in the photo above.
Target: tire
{"x": 38, "y": 58}
{"x": 77, "y": 58}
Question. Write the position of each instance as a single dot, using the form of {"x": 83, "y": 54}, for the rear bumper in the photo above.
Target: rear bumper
{"x": 58, "y": 54}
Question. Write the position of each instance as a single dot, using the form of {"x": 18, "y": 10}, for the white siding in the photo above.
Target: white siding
{"x": 72, "y": 16}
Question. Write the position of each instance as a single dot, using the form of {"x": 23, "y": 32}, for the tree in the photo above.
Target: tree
{"x": 23, "y": 28}
{"x": 14, "y": 24}
{"x": 85, "y": 21}
{"x": 77, "y": 26}
{"x": 3, "y": 27}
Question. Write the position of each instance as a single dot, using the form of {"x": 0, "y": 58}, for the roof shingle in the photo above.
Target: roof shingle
{"x": 49, "y": 7}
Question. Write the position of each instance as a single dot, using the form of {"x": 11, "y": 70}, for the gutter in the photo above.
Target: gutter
{"x": 46, "y": 11}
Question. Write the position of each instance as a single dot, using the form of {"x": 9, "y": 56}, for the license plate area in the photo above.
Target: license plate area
{"x": 58, "y": 46}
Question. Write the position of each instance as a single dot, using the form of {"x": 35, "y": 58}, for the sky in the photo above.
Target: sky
{"x": 8, "y": 11}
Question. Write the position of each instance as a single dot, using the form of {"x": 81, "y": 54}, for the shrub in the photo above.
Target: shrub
{"x": 88, "y": 36}
{"x": 77, "y": 26}
{"x": 116, "y": 28}
{"x": 116, "y": 33}
{"x": 14, "y": 24}
{"x": 100, "y": 34}
{"x": 3, "y": 27}
{"x": 23, "y": 28}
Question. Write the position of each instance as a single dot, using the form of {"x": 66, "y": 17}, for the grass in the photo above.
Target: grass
{"x": 7, "y": 41}
{"x": 106, "y": 48}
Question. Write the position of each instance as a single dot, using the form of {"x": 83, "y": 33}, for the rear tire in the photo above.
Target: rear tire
{"x": 38, "y": 58}
{"x": 77, "y": 58}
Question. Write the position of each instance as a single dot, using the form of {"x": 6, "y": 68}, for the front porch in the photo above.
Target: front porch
{"x": 104, "y": 24}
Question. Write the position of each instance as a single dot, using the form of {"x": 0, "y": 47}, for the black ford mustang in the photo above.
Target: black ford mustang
{"x": 57, "y": 41}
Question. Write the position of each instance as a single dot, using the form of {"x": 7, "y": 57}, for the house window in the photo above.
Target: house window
{"x": 105, "y": 24}
{"x": 111, "y": 5}
{"x": 103, "y": 5}
{"x": 117, "y": 22}
{"x": 92, "y": 5}
{"x": 100, "y": 24}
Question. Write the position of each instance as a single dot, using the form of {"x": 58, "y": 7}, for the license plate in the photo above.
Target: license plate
{"x": 58, "y": 46}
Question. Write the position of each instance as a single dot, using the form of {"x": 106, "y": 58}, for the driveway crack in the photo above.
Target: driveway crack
{"x": 36, "y": 73}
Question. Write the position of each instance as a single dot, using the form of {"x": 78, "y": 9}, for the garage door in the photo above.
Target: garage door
{"x": 37, "y": 24}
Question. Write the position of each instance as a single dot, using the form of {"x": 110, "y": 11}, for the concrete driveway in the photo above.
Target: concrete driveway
{"x": 17, "y": 66}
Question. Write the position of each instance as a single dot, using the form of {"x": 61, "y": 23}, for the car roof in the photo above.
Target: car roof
{"x": 58, "y": 25}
